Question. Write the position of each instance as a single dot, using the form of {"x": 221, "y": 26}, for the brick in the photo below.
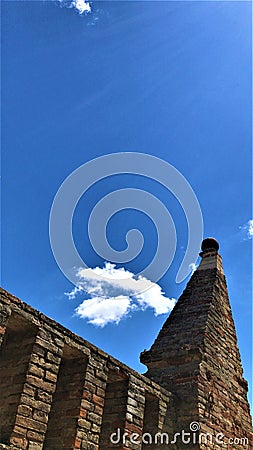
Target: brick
{"x": 40, "y": 383}
{"x": 31, "y": 424}
{"x": 25, "y": 410}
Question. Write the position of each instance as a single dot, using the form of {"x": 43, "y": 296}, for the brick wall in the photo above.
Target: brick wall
{"x": 60, "y": 392}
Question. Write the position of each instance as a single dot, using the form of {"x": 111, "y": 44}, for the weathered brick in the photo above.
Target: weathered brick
{"x": 25, "y": 410}
{"x": 31, "y": 424}
{"x": 49, "y": 376}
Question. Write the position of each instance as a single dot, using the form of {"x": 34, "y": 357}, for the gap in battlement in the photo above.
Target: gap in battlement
{"x": 66, "y": 403}
{"x": 14, "y": 359}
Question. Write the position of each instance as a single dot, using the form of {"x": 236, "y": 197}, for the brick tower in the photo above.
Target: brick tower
{"x": 196, "y": 357}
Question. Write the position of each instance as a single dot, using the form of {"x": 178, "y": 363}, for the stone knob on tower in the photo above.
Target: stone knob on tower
{"x": 209, "y": 244}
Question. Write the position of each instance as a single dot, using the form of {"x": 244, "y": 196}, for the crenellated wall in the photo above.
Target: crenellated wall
{"x": 59, "y": 392}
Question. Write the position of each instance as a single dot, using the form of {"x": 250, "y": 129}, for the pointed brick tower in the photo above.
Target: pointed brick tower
{"x": 196, "y": 357}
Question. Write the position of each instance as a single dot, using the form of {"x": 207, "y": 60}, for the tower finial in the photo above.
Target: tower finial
{"x": 211, "y": 259}
{"x": 209, "y": 244}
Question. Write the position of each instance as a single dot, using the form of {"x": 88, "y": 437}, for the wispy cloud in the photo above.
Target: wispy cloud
{"x": 248, "y": 228}
{"x": 112, "y": 294}
{"x": 81, "y": 6}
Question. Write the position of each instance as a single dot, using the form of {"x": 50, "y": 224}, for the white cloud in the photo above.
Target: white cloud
{"x": 81, "y": 6}
{"x": 100, "y": 311}
{"x": 114, "y": 293}
{"x": 248, "y": 227}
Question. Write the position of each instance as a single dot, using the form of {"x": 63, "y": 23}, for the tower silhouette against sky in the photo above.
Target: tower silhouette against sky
{"x": 196, "y": 355}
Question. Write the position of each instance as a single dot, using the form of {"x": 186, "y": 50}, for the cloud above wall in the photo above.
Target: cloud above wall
{"x": 113, "y": 293}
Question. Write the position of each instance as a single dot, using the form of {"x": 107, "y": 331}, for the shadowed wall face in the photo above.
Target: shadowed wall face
{"x": 65, "y": 411}
{"x": 14, "y": 359}
{"x": 151, "y": 418}
{"x": 114, "y": 415}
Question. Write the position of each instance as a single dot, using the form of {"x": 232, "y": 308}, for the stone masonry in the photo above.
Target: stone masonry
{"x": 60, "y": 392}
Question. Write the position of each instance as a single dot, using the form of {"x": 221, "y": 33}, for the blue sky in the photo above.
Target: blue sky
{"x": 168, "y": 79}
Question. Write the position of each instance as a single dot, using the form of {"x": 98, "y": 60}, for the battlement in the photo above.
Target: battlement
{"x": 59, "y": 391}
